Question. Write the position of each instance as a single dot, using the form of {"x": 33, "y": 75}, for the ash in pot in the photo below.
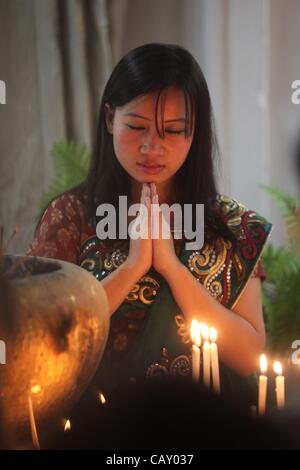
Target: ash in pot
{"x": 21, "y": 266}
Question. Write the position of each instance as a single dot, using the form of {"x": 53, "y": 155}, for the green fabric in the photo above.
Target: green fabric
{"x": 215, "y": 264}
{"x": 156, "y": 330}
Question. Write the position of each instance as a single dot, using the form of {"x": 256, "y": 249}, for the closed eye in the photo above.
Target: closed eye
{"x": 142, "y": 128}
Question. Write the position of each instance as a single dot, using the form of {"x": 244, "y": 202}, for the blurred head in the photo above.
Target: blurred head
{"x": 162, "y": 414}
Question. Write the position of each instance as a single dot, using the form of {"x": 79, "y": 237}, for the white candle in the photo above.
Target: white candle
{"x": 279, "y": 384}
{"x": 34, "y": 434}
{"x": 214, "y": 360}
{"x": 206, "y": 355}
{"x": 196, "y": 360}
{"x": 262, "y": 386}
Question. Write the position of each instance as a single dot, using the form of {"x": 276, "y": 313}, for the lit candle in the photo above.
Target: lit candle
{"x": 279, "y": 384}
{"x": 262, "y": 386}
{"x": 196, "y": 359}
{"x": 67, "y": 426}
{"x": 206, "y": 354}
{"x": 214, "y": 360}
{"x": 102, "y": 399}
{"x": 34, "y": 434}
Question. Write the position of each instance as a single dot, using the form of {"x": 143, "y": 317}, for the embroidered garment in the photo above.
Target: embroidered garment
{"x": 148, "y": 336}
{"x": 64, "y": 228}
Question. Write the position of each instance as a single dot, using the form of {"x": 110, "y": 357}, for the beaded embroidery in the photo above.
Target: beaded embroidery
{"x": 221, "y": 268}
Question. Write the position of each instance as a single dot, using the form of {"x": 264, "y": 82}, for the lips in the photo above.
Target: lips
{"x": 150, "y": 165}
{"x": 151, "y": 168}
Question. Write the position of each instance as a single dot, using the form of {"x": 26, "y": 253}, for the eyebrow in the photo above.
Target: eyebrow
{"x": 143, "y": 117}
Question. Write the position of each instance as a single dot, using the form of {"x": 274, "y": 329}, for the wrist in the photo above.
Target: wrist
{"x": 169, "y": 270}
{"x": 134, "y": 268}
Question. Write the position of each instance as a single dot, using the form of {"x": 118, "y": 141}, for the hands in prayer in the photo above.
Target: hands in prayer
{"x": 153, "y": 250}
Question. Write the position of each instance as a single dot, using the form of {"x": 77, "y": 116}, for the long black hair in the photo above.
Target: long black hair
{"x": 148, "y": 68}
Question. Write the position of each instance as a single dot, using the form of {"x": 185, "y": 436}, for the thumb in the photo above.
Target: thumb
{"x": 155, "y": 218}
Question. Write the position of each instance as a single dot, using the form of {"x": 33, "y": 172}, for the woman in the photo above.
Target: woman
{"x": 155, "y": 144}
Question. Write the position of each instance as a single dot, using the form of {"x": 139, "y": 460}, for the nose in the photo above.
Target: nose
{"x": 150, "y": 149}
{"x": 152, "y": 145}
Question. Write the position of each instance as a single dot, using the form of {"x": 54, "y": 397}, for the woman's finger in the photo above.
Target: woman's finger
{"x": 143, "y": 192}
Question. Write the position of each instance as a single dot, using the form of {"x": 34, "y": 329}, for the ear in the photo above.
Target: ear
{"x": 109, "y": 117}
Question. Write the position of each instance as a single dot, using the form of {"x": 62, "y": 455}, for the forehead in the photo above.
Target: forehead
{"x": 171, "y": 99}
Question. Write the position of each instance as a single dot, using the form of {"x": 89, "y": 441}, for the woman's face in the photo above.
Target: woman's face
{"x": 145, "y": 155}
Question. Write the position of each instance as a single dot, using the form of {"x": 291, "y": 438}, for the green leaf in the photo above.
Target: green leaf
{"x": 281, "y": 296}
{"x": 290, "y": 209}
{"x": 282, "y": 314}
{"x": 71, "y": 162}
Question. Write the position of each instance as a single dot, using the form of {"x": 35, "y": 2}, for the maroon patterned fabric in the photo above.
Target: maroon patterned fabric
{"x": 64, "y": 227}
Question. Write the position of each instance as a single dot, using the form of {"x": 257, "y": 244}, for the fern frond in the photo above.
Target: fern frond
{"x": 279, "y": 262}
{"x": 281, "y": 299}
{"x": 71, "y": 163}
{"x": 290, "y": 209}
{"x": 282, "y": 314}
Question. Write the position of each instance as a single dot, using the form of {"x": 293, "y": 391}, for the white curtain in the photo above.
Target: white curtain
{"x": 55, "y": 59}
{"x": 249, "y": 53}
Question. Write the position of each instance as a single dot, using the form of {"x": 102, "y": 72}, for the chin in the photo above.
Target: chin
{"x": 147, "y": 179}
{"x": 152, "y": 178}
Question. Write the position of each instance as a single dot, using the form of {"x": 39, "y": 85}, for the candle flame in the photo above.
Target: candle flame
{"x": 263, "y": 364}
{"x": 195, "y": 333}
{"x": 213, "y": 334}
{"x": 277, "y": 367}
{"x": 204, "y": 330}
{"x": 67, "y": 425}
{"x": 102, "y": 398}
{"x": 35, "y": 389}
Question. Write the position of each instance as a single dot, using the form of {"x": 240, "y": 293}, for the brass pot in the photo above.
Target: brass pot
{"x": 55, "y": 335}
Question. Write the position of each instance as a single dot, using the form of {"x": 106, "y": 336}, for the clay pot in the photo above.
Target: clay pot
{"x": 55, "y": 335}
